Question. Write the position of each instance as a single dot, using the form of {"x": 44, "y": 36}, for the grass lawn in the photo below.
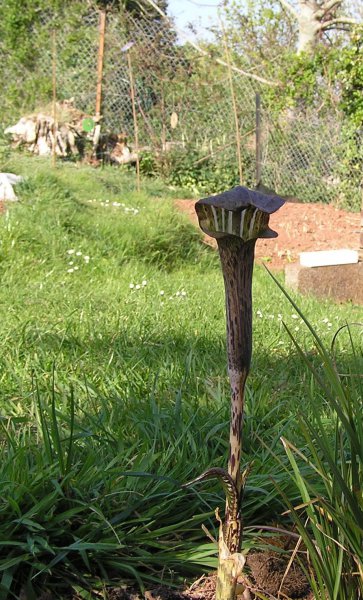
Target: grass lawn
{"x": 114, "y": 387}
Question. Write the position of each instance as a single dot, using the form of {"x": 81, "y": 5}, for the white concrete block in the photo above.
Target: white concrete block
{"x": 324, "y": 258}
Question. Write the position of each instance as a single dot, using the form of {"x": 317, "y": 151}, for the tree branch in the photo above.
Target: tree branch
{"x": 326, "y": 7}
{"x": 205, "y": 53}
{"x": 330, "y": 4}
{"x": 289, "y": 8}
{"x": 336, "y": 21}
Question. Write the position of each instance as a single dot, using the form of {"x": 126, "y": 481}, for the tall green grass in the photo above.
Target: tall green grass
{"x": 329, "y": 516}
{"x": 112, "y": 395}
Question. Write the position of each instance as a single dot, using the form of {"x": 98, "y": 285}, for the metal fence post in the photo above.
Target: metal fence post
{"x": 258, "y": 140}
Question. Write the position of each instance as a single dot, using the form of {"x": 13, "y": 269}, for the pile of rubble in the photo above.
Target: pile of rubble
{"x": 66, "y": 132}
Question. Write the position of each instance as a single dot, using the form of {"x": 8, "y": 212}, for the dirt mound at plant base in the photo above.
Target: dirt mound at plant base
{"x": 301, "y": 228}
{"x": 271, "y": 574}
{"x": 268, "y": 573}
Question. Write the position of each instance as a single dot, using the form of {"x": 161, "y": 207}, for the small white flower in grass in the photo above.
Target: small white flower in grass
{"x": 79, "y": 253}
{"x": 259, "y": 314}
{"x": 297, "y": 328}
{"x": 325, "y": 320}
{"x": 143, "y": 283}
{"x": 86, "y": 259}
{"x": 76, "y": 268}
{"x": 161, "y": 292}
{"x": 177, "y": 293}
{"x": 137, "y": 287}
{"x": 71, "y": 251}
{"x": 293, "y": 316}
{"x": 131, "y": 286}
{"x": 330, "y": 324}
{"x": 279, "y": 316}
{"x": 183, "y": 293}
{"x": 70, "y": 263}
{"x": 70, "y": 270}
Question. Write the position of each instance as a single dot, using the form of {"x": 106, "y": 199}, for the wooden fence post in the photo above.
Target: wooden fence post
{"x": 100, "y": 59}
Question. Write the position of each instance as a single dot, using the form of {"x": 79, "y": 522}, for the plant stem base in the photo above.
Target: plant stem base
{"x": 230, "y": 567}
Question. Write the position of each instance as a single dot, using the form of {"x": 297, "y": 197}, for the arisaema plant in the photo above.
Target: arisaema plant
{"x": 236, "y": 219}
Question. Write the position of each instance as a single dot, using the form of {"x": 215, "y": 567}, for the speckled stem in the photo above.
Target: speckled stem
{"x": 236, "y": 218}
{"x": 237, "y": 265}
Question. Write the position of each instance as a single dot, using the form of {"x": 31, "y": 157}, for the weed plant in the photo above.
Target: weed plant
{"x": 114, "y": 388}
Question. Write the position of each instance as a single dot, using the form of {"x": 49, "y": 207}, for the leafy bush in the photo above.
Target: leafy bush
{"x": 199, "y": 171}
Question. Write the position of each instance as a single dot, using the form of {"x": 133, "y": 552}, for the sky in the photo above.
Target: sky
{"x": 201, "y": 13}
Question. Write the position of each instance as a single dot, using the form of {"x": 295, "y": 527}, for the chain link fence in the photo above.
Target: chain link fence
{"x": 187, "y": 105}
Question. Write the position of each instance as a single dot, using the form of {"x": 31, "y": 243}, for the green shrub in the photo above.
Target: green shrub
{"x": 199, "y": 171}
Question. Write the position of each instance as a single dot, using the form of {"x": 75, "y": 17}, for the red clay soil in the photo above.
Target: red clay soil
{"x": 301, "y": 228}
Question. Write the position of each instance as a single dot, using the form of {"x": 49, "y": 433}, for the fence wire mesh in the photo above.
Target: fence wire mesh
{"x": 187, "y": 104}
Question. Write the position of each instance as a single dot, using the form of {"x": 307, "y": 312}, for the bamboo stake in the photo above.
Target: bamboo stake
{"x": 136, "y": 130}
{"x": 235, "y": 219}
{"x": 163, "y": 126}
{"x": 234, "y": 105}
{"x": 54, "y": 97}
{"x": 258, "y": 141}
{"x": 101, "y": 50}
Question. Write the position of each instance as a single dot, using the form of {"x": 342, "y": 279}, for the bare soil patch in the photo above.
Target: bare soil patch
{"x": 301, "y": 228}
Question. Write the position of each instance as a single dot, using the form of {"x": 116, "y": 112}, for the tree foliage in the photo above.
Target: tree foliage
{"x": 350, "y": 76}
{"x": 19, "y": 19}
{"x": 264, "y": 37}
{"x": 315, "y": 19}
{"x": 135, "y": 7}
